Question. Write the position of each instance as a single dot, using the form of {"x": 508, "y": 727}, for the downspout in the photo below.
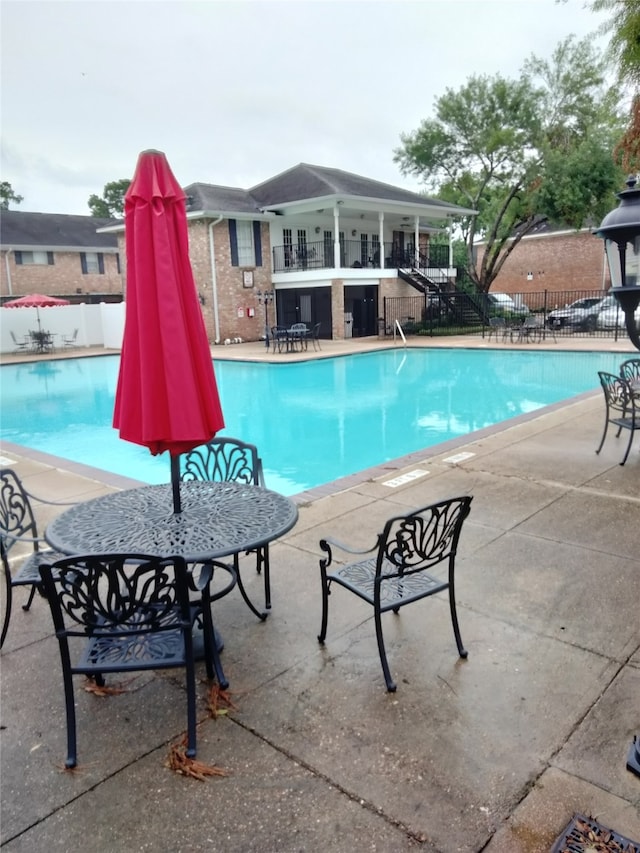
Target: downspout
{"x": 214, "y": 282}
{"x": 8, "y": 268}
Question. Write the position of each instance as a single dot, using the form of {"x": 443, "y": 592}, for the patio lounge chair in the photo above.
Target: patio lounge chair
{"x": 124, "y": 613}
{"x": 622, "y": 410}
{"x": 70, "y": 340}
{"x": 19, "y": 530}
{"x": 228, "y": 459}
{"x": 20, "y": 346}
{"x": 399, "y": 568}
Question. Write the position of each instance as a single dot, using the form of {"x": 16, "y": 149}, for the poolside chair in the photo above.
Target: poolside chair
{"x": 70, "y": 340}
{"x": 124, "y": 613}
{"x": 232, "y": 460}
{"x": 19, "y": 531}
{"x": 630, "y": 370}
{"x": 622, "y": 408}
{"x": 20, "y": 346}
{"x": 315, "y": 336}
{"x": 498, "y": 327}
{"x": 399, "y": 570}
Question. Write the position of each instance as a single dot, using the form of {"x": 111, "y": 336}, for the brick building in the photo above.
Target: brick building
{"x": 554, "y": 259}
{"x": 324, "y": 246}
{"x": 59, "y": 255}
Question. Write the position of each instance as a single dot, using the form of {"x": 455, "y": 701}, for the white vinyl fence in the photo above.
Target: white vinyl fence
{"x": 97, "y": 325}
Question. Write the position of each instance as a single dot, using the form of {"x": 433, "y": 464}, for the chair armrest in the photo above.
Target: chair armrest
{"x": 327, "y": 543}
{"x": 205, "y": 574}
{"x": 45, "y": 501}
{"x": 32, "y": 540}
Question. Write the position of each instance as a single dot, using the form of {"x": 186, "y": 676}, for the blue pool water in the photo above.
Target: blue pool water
{"x": 313, "y": 422}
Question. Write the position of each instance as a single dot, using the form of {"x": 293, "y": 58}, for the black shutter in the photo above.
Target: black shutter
{"x": 257, "y": 242}
{"x": 18, "y": 257}
{"x": 50, "y": 258}
{"x": 233, "y": 242}
{"x": 118, "y": 263}
{"x": 100, "y": 263}
{"x": 83, "y": 263}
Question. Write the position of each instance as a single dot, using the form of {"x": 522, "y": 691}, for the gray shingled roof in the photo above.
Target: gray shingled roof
{"x": 299, "y": 183}
{"x": 219, "y": 199}
{"x": 305, "y": 181}
{"x": 50, "y": 230}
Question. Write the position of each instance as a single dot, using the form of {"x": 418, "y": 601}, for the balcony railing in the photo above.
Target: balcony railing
{"x": 354, "y": 254}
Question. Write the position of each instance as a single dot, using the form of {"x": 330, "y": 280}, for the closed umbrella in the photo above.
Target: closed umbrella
{"x": 36, "y": 300}
{"x": 166, "y": 396}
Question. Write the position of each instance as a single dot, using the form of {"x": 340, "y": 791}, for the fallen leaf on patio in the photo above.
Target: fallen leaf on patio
{"x": 91, "y": 687}
{"x": 184, "y": 766}
{"x": 217, "y": 697}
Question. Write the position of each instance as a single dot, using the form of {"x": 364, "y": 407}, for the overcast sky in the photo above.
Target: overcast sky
{"x": 237, "y": 92}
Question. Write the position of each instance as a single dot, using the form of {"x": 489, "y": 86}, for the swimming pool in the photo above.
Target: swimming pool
{"x": 313, "y": 422}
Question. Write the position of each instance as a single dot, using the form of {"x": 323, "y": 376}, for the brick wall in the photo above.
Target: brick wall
{"x": 564, "y": 261}
{"x": 62, "y": 278}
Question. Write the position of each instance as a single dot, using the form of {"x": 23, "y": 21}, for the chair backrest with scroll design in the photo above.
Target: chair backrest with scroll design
{"x": 223, "y": 460}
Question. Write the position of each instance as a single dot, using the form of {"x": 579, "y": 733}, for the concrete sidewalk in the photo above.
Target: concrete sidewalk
{"x": 495, "y": 753}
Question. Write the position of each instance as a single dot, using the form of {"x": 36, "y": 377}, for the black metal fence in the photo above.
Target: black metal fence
{"x": 566, "y": 312}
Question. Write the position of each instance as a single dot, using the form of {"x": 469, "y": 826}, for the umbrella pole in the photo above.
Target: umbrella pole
{"x": 175, "y": 483}
{"x": 38, "y": 318}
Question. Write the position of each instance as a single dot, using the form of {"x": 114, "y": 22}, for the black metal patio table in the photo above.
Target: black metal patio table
{"x": 217, "y": 519}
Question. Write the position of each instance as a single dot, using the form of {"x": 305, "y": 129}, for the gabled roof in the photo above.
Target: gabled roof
{"x": 22, "y": 230}
{"x": 220, "y": 199}
{"x": 306, "y": 182}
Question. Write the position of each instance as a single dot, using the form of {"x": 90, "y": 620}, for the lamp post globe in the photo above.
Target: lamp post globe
{"x": 620, "y": 230}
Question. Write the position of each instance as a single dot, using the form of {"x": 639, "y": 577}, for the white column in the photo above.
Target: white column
{"x": 336, "y": 237}
{"x": 381, "y": 233}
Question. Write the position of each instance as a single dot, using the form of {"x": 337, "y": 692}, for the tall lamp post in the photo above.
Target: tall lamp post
{"x": 265, "y": 299}
{"x": 620, "y": 230}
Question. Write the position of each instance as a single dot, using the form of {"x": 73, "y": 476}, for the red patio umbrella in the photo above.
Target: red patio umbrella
{"x": 36, "y": 300}
{"x": 166, "y": 397}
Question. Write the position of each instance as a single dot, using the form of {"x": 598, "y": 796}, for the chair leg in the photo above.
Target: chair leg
{"x": 212, "y": 658}
{"x": 391, "y": 685}
{"x": 604, "y": 434}
{"x": 30, "y": 599}
{"x": 628, "y": 447}
{"x": 454, "y": 621}
{"x": 8, "y": 600}
{"x": 264, "y": 558}
{"x": 69, "y": 700}
{"x": 325, "y": 601}
{"x": 236, "y": 565}
{"x": 191, "y": 696}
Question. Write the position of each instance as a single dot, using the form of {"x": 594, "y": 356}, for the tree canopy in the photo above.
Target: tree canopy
{"x": 7, "y": 195}
{"x": 521, "y": 151}
{"x": 111, "y": 204}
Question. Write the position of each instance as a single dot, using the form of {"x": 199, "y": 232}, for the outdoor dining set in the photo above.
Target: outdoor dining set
{"x": 295, "y": 338}
{"x": 41, "y": 341}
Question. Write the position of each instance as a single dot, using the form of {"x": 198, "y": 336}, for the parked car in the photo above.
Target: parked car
{"x": 612, "y": 316}
{"x": 507, "y": 304}
{"x": 580, "y": 315}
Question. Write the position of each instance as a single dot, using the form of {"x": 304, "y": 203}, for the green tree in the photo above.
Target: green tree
{"x": 521, "y": 151}
{"x": 624, "y": 51}
{"x": 111, "y": 204}
{"x": 7, "y": 195}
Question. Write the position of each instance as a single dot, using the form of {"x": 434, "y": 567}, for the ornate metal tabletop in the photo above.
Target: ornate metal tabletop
{"x": 217, "y": 519}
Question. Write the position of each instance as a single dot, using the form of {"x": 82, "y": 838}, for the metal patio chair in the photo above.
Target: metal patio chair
{"x": 622, "y": 408}
{"x": 232, "y": 460}
{"x": 124, "y": 613}
{"x": 19, "y": 531}
{"x": 498, "y": 327}
{"x": 20, "y": 346}
{"x": 399, "y": 570}
{"x": 630, "y": 370}
{"x": 314, "y": 336}
{"x": 70, "y": 340}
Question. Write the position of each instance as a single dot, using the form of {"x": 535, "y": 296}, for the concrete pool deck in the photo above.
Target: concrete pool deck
{"x": 495, "y": 753}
